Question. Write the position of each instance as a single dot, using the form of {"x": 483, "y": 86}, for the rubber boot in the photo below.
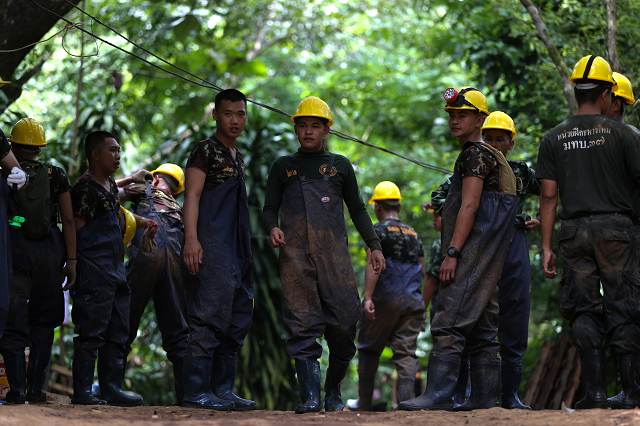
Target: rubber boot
{"x": 16, "y": 369}
{"x": 630, "y": 379}
{"x": 309, "y": 378}
{"x": 442, "y": 377}
{"x": 110, "y": 376}
{"x": 222, "y": 379}
{"x": 367, "y": 368}
{"x": 511, "y": 374}
{"x": 335, "y": 375}
{"x": 592, "y": 375}
{"x": 197, "y": 386}
{"x": 178, "y": 380}
{"x": 461, "y": 393}
{"x": 82, "y": 381}
{"x": 405, "y": 388}
{"x": 485, "y": 383}
{"x": 38, "y": 363}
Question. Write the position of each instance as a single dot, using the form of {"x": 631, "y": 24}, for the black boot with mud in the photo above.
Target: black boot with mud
{"x": 197, "y": 386}
{"x": 223, "y": 377}
{"x": 110, "y": 376}
{"x": 365, "y": 395}
{"x": 592, "y": 366}
{"x": 630, "y": 380}
{"x": 309, "y": 378}
{"x": 511, "y": 374}
{"x": 16, "y": 369}
{"x": 460, "y": 394}
{"x": 485, "y": 383}
{"x": 82, "y": 380}
{"x": 442, "y": 377}
{"x": 178, "y": 380}
{"x": 335, "y": 375}
{"x": 406, "y": 386}
{"x": 38, "y": 362}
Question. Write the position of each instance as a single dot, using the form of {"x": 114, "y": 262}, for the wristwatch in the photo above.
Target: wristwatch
{"x": 453, "y": 252}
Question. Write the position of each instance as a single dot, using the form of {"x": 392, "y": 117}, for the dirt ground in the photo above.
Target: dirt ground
{"x": 69, "y": 415}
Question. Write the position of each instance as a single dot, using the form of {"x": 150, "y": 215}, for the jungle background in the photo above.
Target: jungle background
{"x": 382, "y": 66}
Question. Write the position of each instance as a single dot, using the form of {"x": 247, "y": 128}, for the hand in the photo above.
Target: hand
{"x": 148, "y": 223}
{"x": 549, "y": 264}
{"x": 378, "y": 261}
{"x": 276, "y": 237}
{"x": 69, "y": 271}
{"x": 17, "y": 177}
{"x": 448, "y": 269}
{"x": 192, "y": 254}
{"x": 369, "y": 309}
{"x": 531, "y": 225}
{"x": 141, "y": 176}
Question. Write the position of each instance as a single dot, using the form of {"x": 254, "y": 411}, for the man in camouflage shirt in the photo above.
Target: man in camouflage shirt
{"x": 393, "y": 305}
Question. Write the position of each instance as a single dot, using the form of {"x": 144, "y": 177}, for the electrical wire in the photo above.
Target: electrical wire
{"x": 210, "y": 85}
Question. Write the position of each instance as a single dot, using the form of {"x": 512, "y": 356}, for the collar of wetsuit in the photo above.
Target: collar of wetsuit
{"x": 302, "y": 153}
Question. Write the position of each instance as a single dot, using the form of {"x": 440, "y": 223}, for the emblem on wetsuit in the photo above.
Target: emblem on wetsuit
{"x": 325, "y": 199}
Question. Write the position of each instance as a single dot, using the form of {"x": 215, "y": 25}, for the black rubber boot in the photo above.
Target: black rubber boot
{"x": 38, "y": 363}
{"x": 442, "y": 376}
{"x": 336, "y": 373}
{"x": 178, "y": 380}
{"x": 197, "y": 386}
{"x": 405, "y": 388}
{"x": 485, "y": 383}
{"x": 460, "y": 394}
{"x": 592, "y": 375}
{"x": 110, "y": 376}
{"x": 82, "y": 381}
{"x": 223, "y": 377}
{"x": 16, "y": 369}
{"x": 511, "y": 375}
{"x": 615, "y": 402}
{"x": 309, "y": 378}
{"x": 367, "y": 368}
{"x": 630, "y": 379}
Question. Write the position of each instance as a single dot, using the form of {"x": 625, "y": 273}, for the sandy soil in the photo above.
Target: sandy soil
{"x": 69, "y": 415}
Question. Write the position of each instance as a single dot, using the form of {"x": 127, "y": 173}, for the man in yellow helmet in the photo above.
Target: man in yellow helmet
{"x": 477, "y": 219}
{"x": 588, "y": 160}
{"x": 393, "y": 305}
{"x": 217, "y": 252}
{"x": 101, "y": 294}
{"x": 159, "y": 274}
{"x": 318, "y": 282}
{"x": 40, "y": 251}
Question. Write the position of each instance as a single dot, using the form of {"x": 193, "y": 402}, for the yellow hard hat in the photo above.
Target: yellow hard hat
{"x": 3, "y": 82}
{"x": 385, "y": 191}
{"x": 465, "y": 98}
{"x": 130, "y": 228}
{"x": 499, "y": 120}
{"x": 592, "y": 67}
{"x": 28, "y": 132}
{"x": 173, "y": 171}
{"x": 624, "y": 88}
{"x": 312, "y": 106}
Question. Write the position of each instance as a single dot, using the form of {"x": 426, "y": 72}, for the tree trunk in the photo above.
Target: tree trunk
{"x": 611, "y": 34}
{"x": 23, "y": 23}
{"x": 563, "y": 71}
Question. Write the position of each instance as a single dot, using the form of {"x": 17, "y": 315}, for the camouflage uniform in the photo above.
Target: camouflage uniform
{"x": 434, "y": 270}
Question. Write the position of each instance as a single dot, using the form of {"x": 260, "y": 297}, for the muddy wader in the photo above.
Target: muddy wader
{"x": 399, "y": 310}
{"x": 467, "y": 310}
{"x": 100, "y": 312}
{"x": 318, "y": 287}
{"x": 159, "y": 275}
{"x": 219, "y": 298}
{"x": 6, "y": 267}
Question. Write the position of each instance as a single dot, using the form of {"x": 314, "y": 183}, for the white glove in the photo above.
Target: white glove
{"x": 18, "y": 177}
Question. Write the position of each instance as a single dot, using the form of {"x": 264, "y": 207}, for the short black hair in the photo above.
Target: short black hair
{"x": 322, "y": 119}
{"x": 388, "y": 207}
{"x": 94, "y": 140}
{"x": 589, "y": 96}
{"x": 232, "y": 95}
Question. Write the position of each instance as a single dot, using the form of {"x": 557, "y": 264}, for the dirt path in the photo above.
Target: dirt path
{"x": 69, "y": 415}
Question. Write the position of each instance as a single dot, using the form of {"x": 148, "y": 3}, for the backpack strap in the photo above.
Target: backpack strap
{"x": 327, "y": 171}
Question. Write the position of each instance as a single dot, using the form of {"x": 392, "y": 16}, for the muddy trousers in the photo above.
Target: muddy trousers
{"x": 600, "y": 250}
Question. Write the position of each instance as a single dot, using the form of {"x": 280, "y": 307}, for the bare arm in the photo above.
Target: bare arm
{"x": 9, "y": 162}
{"x": 194, "y": 184}
{"x": 471, "y": 193}
{"x": 68, "y": 224}
{"x": 370, "y": 282}
{"x": 548, "y": 204}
